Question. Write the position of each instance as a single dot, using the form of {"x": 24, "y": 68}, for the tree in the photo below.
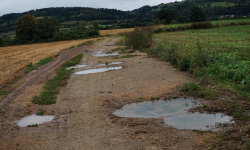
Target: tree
{"x": 182, "y": 19}
{"x": 165, "y": 14}
{"x": 46, "y": 27}
{"x": 197, "y": 15}
{"x": 1, "y": 41}
{"x": 25, "y": 28}
{"x": 96, "y": 25}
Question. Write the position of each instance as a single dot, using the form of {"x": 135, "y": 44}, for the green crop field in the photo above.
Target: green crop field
{"x": 213, "y": 22}
{"x": 222, "y": 53}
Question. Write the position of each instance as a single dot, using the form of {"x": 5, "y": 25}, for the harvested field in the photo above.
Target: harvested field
{"x": 115, "y": 31}
{"x": 15, "y": 58}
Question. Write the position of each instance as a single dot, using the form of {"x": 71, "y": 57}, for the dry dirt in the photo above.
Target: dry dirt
{"x": 83, "y": 112}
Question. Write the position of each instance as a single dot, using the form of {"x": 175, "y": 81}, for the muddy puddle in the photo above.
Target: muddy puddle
{"x": 113, "y": 63}
{"x": 77, "y": 66}
{"x": 33, "y": 120}
{"x": 175, "y": 113}
{"x": 99, "y": 70}
{"x": 100, "y": 53}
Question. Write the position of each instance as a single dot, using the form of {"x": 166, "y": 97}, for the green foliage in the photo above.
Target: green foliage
{"x": 182, "y": 19}
{"x": 165, "y": 15}
{"x": 208, "y": 93}
{"x": 79, "y": 32}
{"x": 33, "y": 125}
{"x": 184, "y": 64}
{"x": 189, "y": 87}
{"x": 25, "y": 28}
{"x": 31, "y": 67}
{"x": 238, "y": 112}
{"x": 52, "y": 87}
{"x": 139, "y": 38}
{"x": 44, "y": 61}
{"x": 45, "y": 28}
{"x": 197, "y": 15}
{"x": 96, "y": 25}
{"x": 2, "y": 92}
{"x": 40, "y": 112}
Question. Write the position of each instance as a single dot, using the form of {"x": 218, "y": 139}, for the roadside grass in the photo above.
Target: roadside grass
{"x": 31, "y": 67}
{"x": 220, "y": 57}
{"x": 208, "y": 93}
{"x": 221, "y": 53}
{"x": 189, "y": 87}
{"x": 52, "y": 87}
{"x": 2, "y": 92}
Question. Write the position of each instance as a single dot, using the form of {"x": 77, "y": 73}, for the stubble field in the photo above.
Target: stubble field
{"x": 13, "y": 59}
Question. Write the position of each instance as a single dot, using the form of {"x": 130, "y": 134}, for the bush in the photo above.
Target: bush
{"x": 139, "y": 38}
{"x": 184, "y": 64}
{"x": 158, "y": 30}
{"x": 202, "y": 25}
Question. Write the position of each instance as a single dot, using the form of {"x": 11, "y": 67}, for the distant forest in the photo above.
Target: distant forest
{"x": 143, "y": 16}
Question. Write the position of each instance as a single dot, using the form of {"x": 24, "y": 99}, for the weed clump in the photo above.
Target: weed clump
{"x": 189, "y": 87}
{"x": 33, "y": 125}
{"x": 2, "y": 92}
{"x": 40, "y": 112}
{"x": 139, "y": 38}
{"x": 209, "y": 93}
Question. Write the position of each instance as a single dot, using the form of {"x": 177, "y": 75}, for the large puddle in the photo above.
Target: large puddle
{"x": 33, "y": 120}
{"x": 175, "y": 114}
{"x": 97, "y": 70}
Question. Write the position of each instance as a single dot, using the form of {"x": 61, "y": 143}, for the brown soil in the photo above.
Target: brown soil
{"x": 83, "y": 112}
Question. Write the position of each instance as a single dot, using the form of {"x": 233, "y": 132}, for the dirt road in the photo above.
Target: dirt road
{"x": 83, "y": 112}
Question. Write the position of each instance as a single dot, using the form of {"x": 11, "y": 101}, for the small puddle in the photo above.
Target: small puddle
{"x": 113, "y": 63}
{"x": 103, "y": 55}
{"x": 77, "y": 66}
{"x": 34, "y": 119}
{"x": 175, "y": 114}
{"x": 97, "y": 70}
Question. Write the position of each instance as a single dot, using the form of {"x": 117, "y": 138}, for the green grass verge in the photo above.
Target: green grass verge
{"x": 32, "y": 66}
{"x": 220, "y": 53}
{"x": 2, "y": 92}
{"x": 52, "y": 87}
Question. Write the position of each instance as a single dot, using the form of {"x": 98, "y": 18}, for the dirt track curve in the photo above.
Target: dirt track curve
{"x": 83, "y": 112}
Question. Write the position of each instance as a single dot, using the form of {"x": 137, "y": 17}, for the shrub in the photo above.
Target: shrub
{"x": 202, "y": 25}
{"x": 158, "y": 30}
{"x": 139, "y": 38}
{"x": 184, "y": 64}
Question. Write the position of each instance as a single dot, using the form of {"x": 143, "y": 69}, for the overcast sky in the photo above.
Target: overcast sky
{"x": 17, "y": 6}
